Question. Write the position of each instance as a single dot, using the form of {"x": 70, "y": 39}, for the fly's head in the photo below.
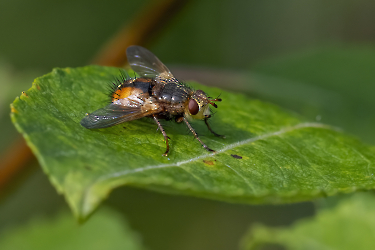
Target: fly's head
{"x": 198, "y": 106}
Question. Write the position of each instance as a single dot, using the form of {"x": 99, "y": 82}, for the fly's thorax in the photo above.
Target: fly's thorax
{"x": 198, "y": 106}
{"x": 173, "y": 92}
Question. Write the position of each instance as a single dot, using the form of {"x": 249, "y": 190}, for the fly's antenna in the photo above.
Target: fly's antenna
{"x": 212, "y": 101}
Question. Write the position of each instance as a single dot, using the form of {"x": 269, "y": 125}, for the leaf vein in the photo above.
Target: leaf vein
{"x": 229, "y": 147}
{"x": 242, "y": 177}
{"x": 195, "y": 177}
{"x": 87, "y": 192}
{"x": 365, "y": 158}
{"x": 308, "y": 162}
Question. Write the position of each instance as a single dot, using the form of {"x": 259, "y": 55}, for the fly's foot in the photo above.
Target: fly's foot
{"x": 215, "y": 134}
{"x": 166, "y": 142}
{"x": 209, "y": 128}
{"x": 210, "y": 150}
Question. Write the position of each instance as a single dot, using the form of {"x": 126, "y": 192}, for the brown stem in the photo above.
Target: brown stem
{"x": 146, "y": 25}
{"x": 15, "y": 158}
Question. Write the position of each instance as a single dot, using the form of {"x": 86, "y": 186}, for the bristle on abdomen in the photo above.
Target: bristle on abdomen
{"x": 124, "y": 80}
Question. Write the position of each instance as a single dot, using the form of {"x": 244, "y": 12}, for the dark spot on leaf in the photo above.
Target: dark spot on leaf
{"x": 237, "y": 156}
{"x": 88, "y": 168}
{"x": 208, "y": 162}
{"x": 24, "y": 94}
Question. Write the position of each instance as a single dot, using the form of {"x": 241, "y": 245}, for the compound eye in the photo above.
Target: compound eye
{"x": 193, "y": 107}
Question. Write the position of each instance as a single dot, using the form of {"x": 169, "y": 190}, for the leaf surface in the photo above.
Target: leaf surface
{"x": 106, "y": 230}
{"x": 350, "y": 225}
{"x": 269, "y": 155}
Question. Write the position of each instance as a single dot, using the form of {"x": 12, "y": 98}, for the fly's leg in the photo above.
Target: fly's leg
{"x": 196, "y": 135}
{"x": 209, "y": 128}
{"x": 164, "y": 134}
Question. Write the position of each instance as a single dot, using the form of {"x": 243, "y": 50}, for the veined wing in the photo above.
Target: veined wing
{"x": 146, "y": 64}
{"x": 114, "y": 114}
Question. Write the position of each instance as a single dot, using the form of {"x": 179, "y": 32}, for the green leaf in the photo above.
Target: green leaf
{"x": 106, "y": 230}
{"x": 350, "y": 225}
{"x": 333, "y": 83}
{"x": 284, "y": 158}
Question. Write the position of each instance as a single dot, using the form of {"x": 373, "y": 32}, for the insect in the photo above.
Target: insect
{"x": 156, "y": 94}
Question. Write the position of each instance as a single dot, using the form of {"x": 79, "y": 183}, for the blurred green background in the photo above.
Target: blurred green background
{"x": 315, "y": 57}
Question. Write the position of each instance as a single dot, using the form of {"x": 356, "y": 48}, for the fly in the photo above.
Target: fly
{"x": 156, "y": 94}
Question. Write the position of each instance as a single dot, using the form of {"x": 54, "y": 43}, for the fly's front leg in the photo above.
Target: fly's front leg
{"x": 209, "y": 128}
{"x": 196, "y": 135}
{"x": 164, "y": 134}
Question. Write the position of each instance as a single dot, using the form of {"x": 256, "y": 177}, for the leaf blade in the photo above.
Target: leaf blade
{"x": 284, "y": 157}
{"x": 62, "y": 232}
{"x": 348, "y": 225}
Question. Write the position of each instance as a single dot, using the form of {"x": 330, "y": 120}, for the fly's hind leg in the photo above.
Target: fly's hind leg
{"x": 209, "y": 128}
{"x": 196, "y": 135}
{"x": 164, "y": 134}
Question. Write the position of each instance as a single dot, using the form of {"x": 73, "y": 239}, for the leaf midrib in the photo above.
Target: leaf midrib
{"x": 226, "y": 148}
{"x": 283, "y": 130}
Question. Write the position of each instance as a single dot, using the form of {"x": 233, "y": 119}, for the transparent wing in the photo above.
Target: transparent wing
{"x": 112, "y": 115}
{"x": 146, "y": 64}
